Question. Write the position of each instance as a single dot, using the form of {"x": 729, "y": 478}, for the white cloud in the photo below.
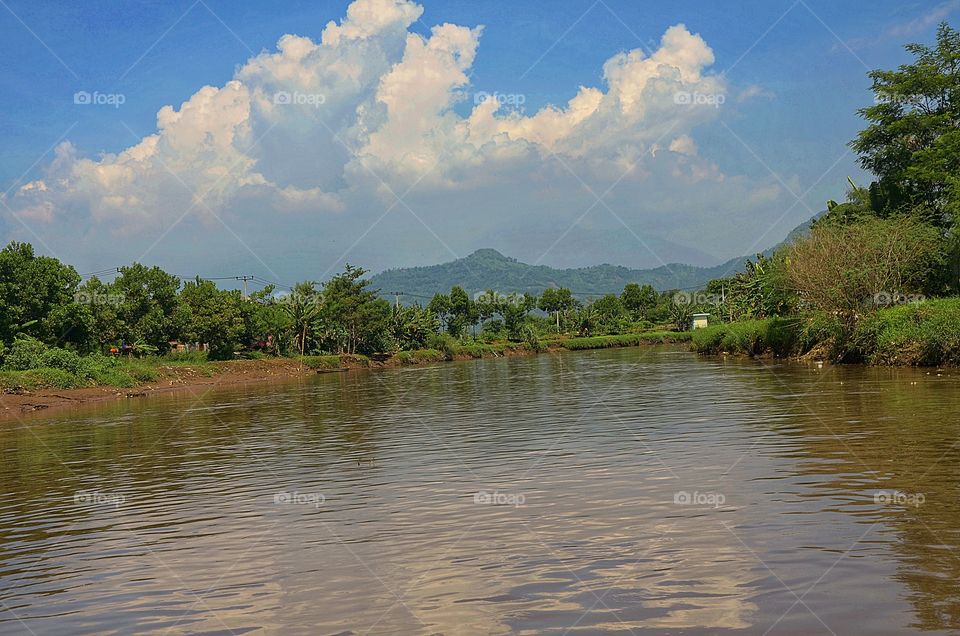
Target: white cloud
{"x": 323, "y": 128}
{"x": 754, "y": 91}
{"x": 925, "y": 21}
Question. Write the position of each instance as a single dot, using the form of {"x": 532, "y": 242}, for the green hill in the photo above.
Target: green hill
{"x": 489, "y": 269}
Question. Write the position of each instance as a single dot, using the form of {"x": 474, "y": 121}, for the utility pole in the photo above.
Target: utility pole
{"x": 245, "y": 279}
{"x": 397, "y": 294}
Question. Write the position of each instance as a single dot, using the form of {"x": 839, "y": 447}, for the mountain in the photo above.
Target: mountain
{"x": 489, "y": 269}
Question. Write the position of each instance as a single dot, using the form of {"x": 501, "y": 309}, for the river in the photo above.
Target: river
{"x": 641, "y": 490}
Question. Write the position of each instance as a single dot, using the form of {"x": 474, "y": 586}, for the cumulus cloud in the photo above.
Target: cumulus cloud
{"x": 301, "y": 127}
{"x": 324, "y": 134}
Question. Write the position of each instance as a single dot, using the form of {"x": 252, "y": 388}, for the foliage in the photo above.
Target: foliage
{"x": 625, "y": 340}
{"x": 925, "y": 333}
{"x": 776, "y": 336}
{"x": 37, "y": 299}
{"x": 912, "y": 142}
{"x": 845, "y": 270}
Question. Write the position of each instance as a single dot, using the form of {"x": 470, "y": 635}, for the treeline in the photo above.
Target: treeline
{"x": 146, "y": 311}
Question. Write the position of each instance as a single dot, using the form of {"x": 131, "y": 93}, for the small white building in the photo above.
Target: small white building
{"x": 700, "y": 321}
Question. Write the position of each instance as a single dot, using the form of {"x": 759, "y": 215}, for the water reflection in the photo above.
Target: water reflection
{"x": 349, "y": 503}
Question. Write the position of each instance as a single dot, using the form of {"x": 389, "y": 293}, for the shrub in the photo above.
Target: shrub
{"x": 24, "y": 354}
{"x": 926, "y": 333}
{"x": 57, "y": 378}
{"x": 778, "y": 336}
{"x": 68, "y": 361}
{"x": 443, "y": 342}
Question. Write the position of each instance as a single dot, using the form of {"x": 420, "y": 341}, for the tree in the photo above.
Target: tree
{"x": 440, "y": 307}
{"x": 360, "y": 318}
{"x": 411, "y": 327}
{"x": 146, "y": 306}
{"x": 761, "y": 290}
{"x": 215, "y": 317}
{"x": 463, "y": 313}
{"x": 302, "y": 307}
{"x": 912, "y": 143}
{"x": 37, "y": 298}
{"x": 609, "y": 312}
{"x": 845, "y": 270}
{"x": 639, "y": 301}
{"x": 556, "y": 301}
{"x": 514, "y": 309}
{"x": 486, "y": 305}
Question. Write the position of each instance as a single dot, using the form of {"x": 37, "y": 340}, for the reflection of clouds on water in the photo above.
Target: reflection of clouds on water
{"x": 399, "y": 545}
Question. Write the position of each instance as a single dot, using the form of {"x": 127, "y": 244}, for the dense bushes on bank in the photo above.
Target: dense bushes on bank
{"x": 925, "y": 333}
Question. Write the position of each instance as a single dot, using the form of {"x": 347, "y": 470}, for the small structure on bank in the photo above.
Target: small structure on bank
{"x": 700, "y": 321}
{"x": 184, "y": 347}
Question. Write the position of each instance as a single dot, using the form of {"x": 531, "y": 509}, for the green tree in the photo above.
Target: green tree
{"x": 146, "y": 306}
{"x": 639, "y": 301}
{"x": 302, "y": 308}
{"x": 411, "y": 327}
{"x": 609, "y": 313}
{"x": 358, "y": 314}
{"x": 912, "y": 142}
{"x": 463, "y": 312}
{"x": 556, "y": 301}
{"x": 37, "y": 298}
{"x": 213, "y": 316}
{"x": 440, "y": 306}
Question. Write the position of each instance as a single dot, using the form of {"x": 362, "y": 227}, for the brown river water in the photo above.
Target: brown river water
{"x": 630, "y": 491}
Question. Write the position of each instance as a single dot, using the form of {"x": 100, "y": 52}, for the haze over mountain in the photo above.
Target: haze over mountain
{"x": 489, "y": 269}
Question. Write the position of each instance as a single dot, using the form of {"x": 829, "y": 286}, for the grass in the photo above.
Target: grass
{"x": 776, "y": 336}
{"x": 625, "y": 340}
{"x": 924, "y": 334}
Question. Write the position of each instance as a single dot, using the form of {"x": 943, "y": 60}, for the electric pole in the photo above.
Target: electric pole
{"x": 245, "y": 279}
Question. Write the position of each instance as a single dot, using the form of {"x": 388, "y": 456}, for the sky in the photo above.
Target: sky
{"x": 284, "y": 139}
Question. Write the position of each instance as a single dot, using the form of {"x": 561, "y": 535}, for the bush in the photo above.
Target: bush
{"x": 61, "y": 359}
{"x": 709, "y": 340}
{"x": 625, "y": 340}
{"x": 926, "y": 333}
{"x": 187, "y": 357}
{"x": 322, "y": 362}
{"x": 24, "y": 354}
{"x": 443, "y": 342}
{"x": 777, "y": 336}
{"x": 56, "y": 378}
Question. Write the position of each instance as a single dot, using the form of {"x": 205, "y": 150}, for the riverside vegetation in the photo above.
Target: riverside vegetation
{"x": 875, "y": 280}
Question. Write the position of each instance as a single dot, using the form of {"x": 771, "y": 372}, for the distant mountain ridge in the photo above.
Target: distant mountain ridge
{"x": 489, "y": 269}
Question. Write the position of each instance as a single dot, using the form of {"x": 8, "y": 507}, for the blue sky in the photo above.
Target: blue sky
{"x": 791, "y": 76}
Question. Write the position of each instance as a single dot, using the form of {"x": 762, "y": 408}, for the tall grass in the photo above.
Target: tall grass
{"x": 625, "y": 340}
{"x": 926, "y": 334}
{"x": 775, "y": 336}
